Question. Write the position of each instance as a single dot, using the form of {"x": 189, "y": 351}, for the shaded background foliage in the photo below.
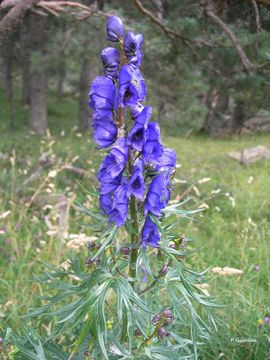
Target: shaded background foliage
{"x": 198, "y": 80}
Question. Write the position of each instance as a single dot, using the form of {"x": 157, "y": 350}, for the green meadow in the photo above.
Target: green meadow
{"x": 232, "y": 231}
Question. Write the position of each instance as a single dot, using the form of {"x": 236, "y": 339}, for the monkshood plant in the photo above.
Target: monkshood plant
{"x": 133, "y": 298}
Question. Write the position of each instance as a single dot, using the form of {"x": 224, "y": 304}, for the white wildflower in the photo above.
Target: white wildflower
{"x": 204, "y": 180}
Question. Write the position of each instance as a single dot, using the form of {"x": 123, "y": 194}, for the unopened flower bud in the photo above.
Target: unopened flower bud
{"x": 96, "y": 261}
{"x": 162, "y": 332}
{"x": 167, "y": 313}
{"x": 156, "y": 319}
{"x": 163, "y": 271}
{"x": 91, "y": 245}
{"x": 182, "y": 242}
{"x": 98, "y": 246}
{"x": 86, "y": 353}
{"x": 137, "y": 332}
{"x": 125, "y": 250}
{"x": 160, "y": 255}
{"x": 88, "y": 261}
{"x": 256, "y": 267}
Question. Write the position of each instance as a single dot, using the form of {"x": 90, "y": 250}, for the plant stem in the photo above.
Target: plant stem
{"x": 134, "y": 236}
{"x": 153, "y": 283}
{"x": 134, "y": 239}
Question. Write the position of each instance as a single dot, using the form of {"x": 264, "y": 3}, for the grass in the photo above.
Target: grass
{"x": 234, "y": 229}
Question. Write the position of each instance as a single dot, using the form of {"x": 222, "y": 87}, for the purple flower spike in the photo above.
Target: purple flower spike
{"x": 158, "y": 195}
{"x": 136, "y": 186}
{"x": 114, "y": 163}
{"x": 102, "y": 95}
{"x": 132, "y": 87}
{"x": 150, "y": 234}
{"x": 114, "y": 28}
{"x": 110, "y": 58}
{"x": 153, "y": 148}
{"x": 132, "y": 48}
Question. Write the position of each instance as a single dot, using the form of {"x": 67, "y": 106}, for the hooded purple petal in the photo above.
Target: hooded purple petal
{"x": 137, "y": 136}
{"x": 105, "y": 203}
{"x": 114, "y": 28}
{"x": 105, "y": 130}
{"x": 143, "y": 115}
{"x": 131, "y": 86}
{"x": 150, "y": 234}
{"x": 158, "y": 195}
{"x": 119, "y": 211}
{"x": 132, "y": 48}
{"x": 166, "y": 162}
{"x": 110, "y": 58}
{"x": 109, "y": 185}
{"x": 136, "y": 186}
{"x": 102, "y": 95}
{"x": 115, "y": 162}
{"x": 153, "y": 148}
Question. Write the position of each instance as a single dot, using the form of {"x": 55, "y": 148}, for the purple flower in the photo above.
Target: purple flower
{"x": 143, "y": 114}
{"x": 131, "y": 86}
{"x": 266, "y": 320}
{"x": 110, "y": 58}
{"x": 114, "y": 163}
{"x": 119, "y": 210}
{"x": 109, "y": 185}
{"x": 102, "y": 95}
{"x": 132, "y": 48}
{"x": 136, "y": 109}
{"x": 114, "y": 28}
{"x": 166, "y": 162}
{"x": 105, "y": 203}
{"x": 105, "y": 130}
{"x": 139, "y": 133}
{"x": 256, "y": 267}
{"x": 158, "y": 195}
{"x": 153, "y": 148}
{"x": 137, "y": 136}
{"x": 136, "y": 186}
{"x": 150, "y": 234}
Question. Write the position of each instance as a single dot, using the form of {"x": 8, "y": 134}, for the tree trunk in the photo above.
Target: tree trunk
{"x": 14, "y": 17}
{"x": 217, "y": 103}
{"x": 239, "y": 116}
{"x": 7, "y": 63}
{"x": 86, "y": 75}
{"x": 84, "y": 112}
{"x": 25, "y": 42}
{"x": 38, "y": 111}
{"x": 61, "y": 75}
